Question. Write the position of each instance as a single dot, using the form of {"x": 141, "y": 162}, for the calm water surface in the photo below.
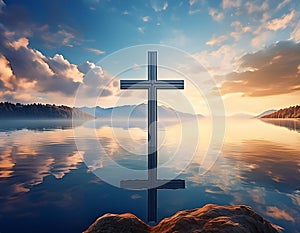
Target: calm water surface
{"x": 46, "y": 187}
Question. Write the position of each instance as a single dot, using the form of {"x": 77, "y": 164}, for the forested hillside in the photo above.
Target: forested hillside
{"x": 291, "y": 112}
{"x": 40, "y": 111}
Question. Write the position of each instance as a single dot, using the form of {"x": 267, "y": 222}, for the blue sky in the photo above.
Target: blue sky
{"x": 77, "y": 28}
{"x": 69, "y": 36}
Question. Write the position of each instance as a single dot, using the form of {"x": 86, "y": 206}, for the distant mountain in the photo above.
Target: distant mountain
{"x": 135, "y": 111}
{"x": 241, "y": 116}
{"x": 268, "y": 112}
{"x": 41, "y": 111}
{"x": 291, "y": 112}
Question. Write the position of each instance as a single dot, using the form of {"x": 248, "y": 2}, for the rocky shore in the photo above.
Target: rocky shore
{"x": 210, "y": 218}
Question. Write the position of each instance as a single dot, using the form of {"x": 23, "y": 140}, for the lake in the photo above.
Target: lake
{"x": 49, "y": 171}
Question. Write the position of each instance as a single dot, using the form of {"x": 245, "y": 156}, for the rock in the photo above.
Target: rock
{"x": 215, "y": 218}
{"x": 208, "y": 219}
{"x": 110, "y": 223}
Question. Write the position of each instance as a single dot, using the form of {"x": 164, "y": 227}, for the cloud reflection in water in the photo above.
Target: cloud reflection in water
{"x": 259, "y": 166}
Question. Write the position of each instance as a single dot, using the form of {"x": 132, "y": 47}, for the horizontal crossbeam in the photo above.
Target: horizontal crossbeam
{"x": 156, "y": 184}
{"x": 146, "y": 84}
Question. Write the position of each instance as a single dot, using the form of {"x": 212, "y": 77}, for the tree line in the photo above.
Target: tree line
{"x": 38, "y": 110}
{"x": 291, "y": 112}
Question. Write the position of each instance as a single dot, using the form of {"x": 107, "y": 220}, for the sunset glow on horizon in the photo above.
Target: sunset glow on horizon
{"x": 250, "y": 48}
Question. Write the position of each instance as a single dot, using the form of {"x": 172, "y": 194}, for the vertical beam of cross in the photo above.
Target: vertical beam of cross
{"x": 152, "y": 184}
{"x": 152, "y": 134}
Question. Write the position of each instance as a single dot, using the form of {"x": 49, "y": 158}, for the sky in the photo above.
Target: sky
{"x": 251, "y": 49}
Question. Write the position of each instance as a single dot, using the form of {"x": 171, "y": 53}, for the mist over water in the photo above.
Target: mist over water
{"x": 43, "y": 176}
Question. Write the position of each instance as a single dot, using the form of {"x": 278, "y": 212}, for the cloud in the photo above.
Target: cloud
{"x": 239, "y": 30}
{"x": 135, "y": 196}
{"x": 280, "y": 23}
{"x": 6, "y": 163}
{"x": 146, "y": 18}
{"x": 237, "y": 25}
{"x": 17, "y": 20}
{"x": 191, "y": 12}
{"x": 26, "y": 73}
{"x": 231, "y": 3}
{"x": 95, "y": 73}
{"x": 220, "y": 61}
{"x": 216, "y": 40}
{"x": 141, "y": 30}
{"x": 264, "y": 31}
{"x": 192, "y": 2}
{"x": 86, "y": 66}
{"x": 275, "y": 212}
{"x": 196, "y": 6}
{"x": 158, "y": 5}
{"x": 7, "y": 78}
{"x": 62, "y": 67}
{"x": 55, "y": 161}
{"x": 22, "y": 42}
{"x": 282, "y": 4}
{"x": 96, "y": 51}
{"x": 66, "y": 36}
{"x": 63, "y": 36}
{"x": 295, "y": 35}
{"x": 252, "y": 8}
{"x": 271, "y": 71}
{"x": 258, "y": 195}
{"x": 2, "y": 5}
{"x": 32, "y": 65}
{"x": 96, "y": 82}
{"x": 216, "y": 15}
{"x": 125, "y": 13}
{"x": 260, "y": 39}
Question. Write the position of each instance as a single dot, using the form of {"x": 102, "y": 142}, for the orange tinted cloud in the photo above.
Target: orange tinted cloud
{"x": 27, "y": 75}
{"x": 280, "y": 23}
{"x": 277, "y": 213}
{"x": 271, "y": 71}
{"x": 6, "y": 163}
{"x": 6, "y": 74}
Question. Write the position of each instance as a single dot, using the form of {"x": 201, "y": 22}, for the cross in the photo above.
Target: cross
{"x": 152, "y": 184}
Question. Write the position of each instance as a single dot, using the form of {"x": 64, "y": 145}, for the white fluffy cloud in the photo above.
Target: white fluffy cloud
{"x": 62, "y": 67}
{"x": 29, "y": 76}
{"x": 96, "y": 82}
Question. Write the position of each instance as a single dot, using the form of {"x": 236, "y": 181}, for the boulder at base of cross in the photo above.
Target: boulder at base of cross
{"x": 210, "y": 218}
